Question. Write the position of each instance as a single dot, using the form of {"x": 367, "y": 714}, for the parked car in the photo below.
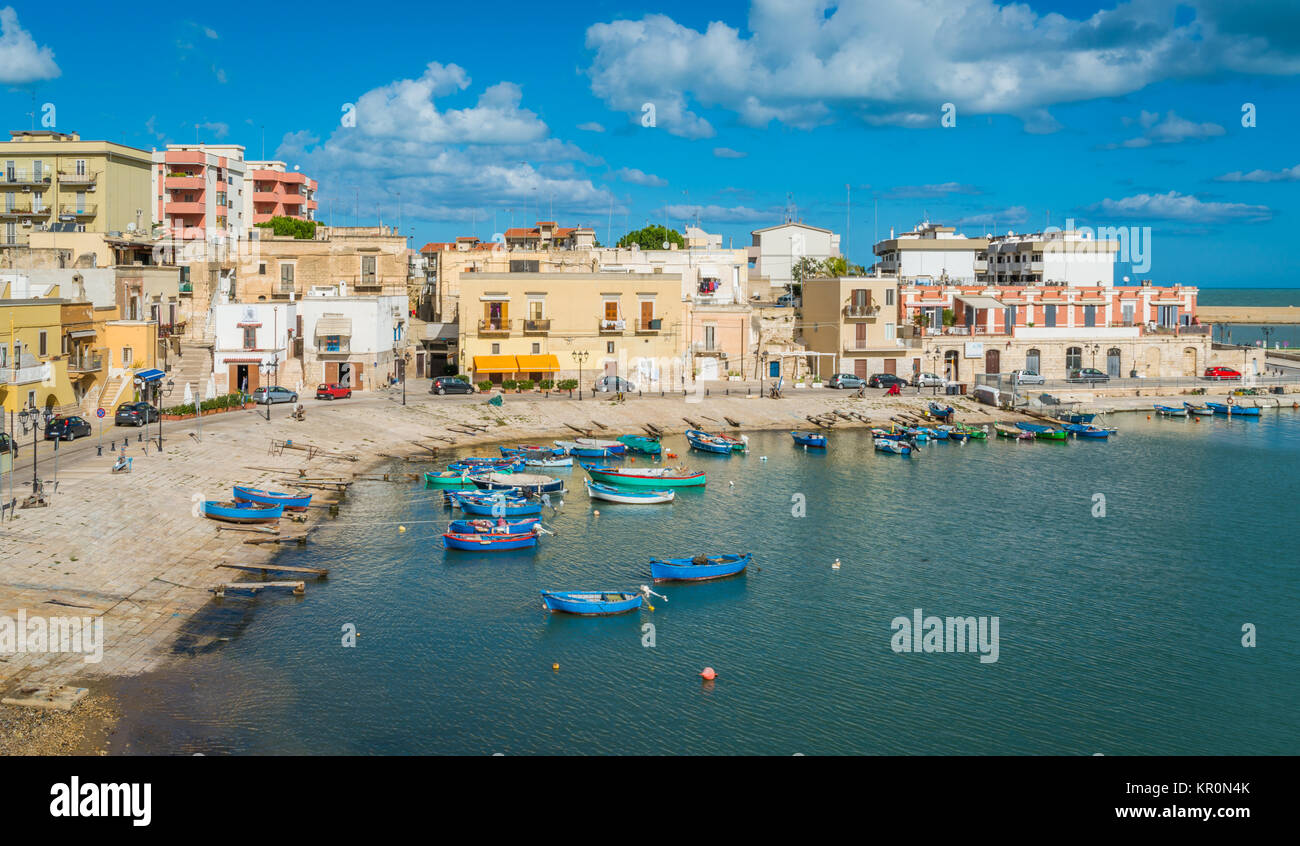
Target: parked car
{"x": 66, "y": 428}
{"x": 788, "y": 301}
{"x": 333, "y": 391}
{"x": 607, "y": 384}
{"x": 274, "y": 394}
{"x": 928, "y": 380}
{"x": 1088, "y": 374}
{"x": 885, "y": 380}
{"x": 845, "y": 380}
{"x": 135, "y": 414}
{"x": 1221, "y": 373}
{"x": 9, "y": 444}
{"x": 450, "y": 385}
{"x": 1027, "y": 377}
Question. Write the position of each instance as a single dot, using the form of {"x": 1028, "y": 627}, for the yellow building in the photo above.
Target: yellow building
{"x": 852, "y": 321}
{"x": 51, "y": 179}
{"x": 531, "y": 325}
{"x": 33, "y": 372}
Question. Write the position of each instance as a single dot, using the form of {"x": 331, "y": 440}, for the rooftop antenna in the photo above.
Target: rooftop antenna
{"x": 848, "y": 205}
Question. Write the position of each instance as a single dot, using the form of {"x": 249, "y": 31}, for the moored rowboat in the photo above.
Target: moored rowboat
{"x": 809, "y": 439}
{"x": 591, "y": 603}
{"x": 700, "y": 568}
{"x": 643, "y": 445}
{"x": 1198, "y": 410}
{"x": 448, "y": 479}
{"x": 1015, "y": 434}
{"x": 488, "y": 542}
{"x": 1233, "y": 410}
{"x": 1043, "y": 433}
{"x": 290, "y": 502}
{"x": 1170, "y": 411}
{"x": 628, "y": 496}
{"x": 705, "y": 442}
{"x": 647, "y": 477}
{"x": 242, "y": 512}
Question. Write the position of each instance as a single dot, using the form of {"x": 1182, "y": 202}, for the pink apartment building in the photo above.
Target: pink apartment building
{"x": 199, "y": 191}
{"x": 278, "y": 192}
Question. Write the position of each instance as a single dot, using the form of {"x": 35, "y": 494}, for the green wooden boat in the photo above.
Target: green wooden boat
{"x": 448, "y": 479}
{"x": 973, "y": 432}
{"x": 647, "y": 477}
{"x": 1043, "y": 433}
{"x": 643, "y": 445}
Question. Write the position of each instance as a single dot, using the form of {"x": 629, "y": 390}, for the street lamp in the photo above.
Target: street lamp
{"x": 270, "y": 369}
{"x": 580, "y": 356}
{"x": 38, "y": 420}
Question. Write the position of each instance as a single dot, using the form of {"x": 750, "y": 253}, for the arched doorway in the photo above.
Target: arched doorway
{"x": 1073, "y": 360}
{"x": 1113, "y": 362}
{"x": 1189, "y": 361}
{"x": 1033, "y": 361}
{"x": 950, "y": 371}
{"x": 992, "y": 362}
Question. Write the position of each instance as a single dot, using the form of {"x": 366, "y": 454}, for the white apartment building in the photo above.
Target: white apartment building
{"x": 776, "y": 249}
{"x": 252, "y": 345}
{"x": 1053, "y": 257}
{"x": 931, "y": 254}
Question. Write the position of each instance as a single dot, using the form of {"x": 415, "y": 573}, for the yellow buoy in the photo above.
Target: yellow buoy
{"x": 401, "y": 528}
{"x": 555, "y": 666}
{"x": 595, "y": 512}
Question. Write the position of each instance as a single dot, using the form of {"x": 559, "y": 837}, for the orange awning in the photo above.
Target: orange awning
{"x": 494, "y": 364}
{"x": 538, "y": 364}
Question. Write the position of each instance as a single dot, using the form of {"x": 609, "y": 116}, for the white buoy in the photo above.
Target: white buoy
{"x": 762, "y": 458}
{"x": 836, "y": 565}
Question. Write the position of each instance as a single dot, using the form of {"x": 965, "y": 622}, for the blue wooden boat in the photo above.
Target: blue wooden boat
{"x": 291, "y": 502}
{"x": 527, "y": 451}
{"x": 242, "y": 512}
{"x": 591, "y": 603}
{"x": 1233, "y": 410}
{"x": 566, "y": 461}
{"x": 1170, "y": 411}
{"x": 1044, "y": 433}
{"x": 590, "y": 451}
{"x": 895, "y": 446}
{"x": 1086, "y": 430}
{"x": 943, "y": 413}
{"x": 497, "y": 465}
{"x": 705, "y": 442}
{"x": 700, "y": 568}
{"x": 887, "y": 434}
{"x": 641, "y": 444}
{"x": 488, "y": 542}
{"x": 953, "y": 433}
{"x": 936, "y": 434}
{"x": 491, "y": 527}
{"x": 809, "y": 439}
{"x": 503, "y": 507}
{"x": 1198, "y": 410}
{"x": 1078, "y": 417}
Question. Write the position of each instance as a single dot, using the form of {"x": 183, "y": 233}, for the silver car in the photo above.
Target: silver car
{"x": 928, "y": 380}
{"x": 607, "y": 384}
{"x": 1027, "y": 377}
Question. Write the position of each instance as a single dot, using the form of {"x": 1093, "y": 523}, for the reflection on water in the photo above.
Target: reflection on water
{"x": 1118, "y": 635}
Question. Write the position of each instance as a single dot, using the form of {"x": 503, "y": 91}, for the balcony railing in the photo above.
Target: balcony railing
{"x": 537, "y": 327}
{"x": 650, "y": 325}
{"x": 25, "y": 177}
{"x": 24, "y": 210}
{"x": 22, "y": 375}
{"x": 494, "y": 327}
{"x": 82, "y": 210}
{"x": 612, "y": 326}
{"x": 860, "y": 311}
{"x": 74, "y": 178}
{"x": 342, "y": 348}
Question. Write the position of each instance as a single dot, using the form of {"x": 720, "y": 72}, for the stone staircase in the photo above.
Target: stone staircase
{"x": 193, "y": 366}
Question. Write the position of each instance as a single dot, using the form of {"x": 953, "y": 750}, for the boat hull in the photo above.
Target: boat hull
{"x": 638, "y": 496}
{"x": 705, "y": 442}
{"x": 809, "y": 439}
{"x": 1084, "y": 430}
{"x": 242, "y": 512}
{"x": 1232, "y": 410}
{"x": 645, "y": 446}
{"x": 633, "y": 479}
{"x": 488, "y": 543}
{"x": 591, "y": 603}
{"x": 489, "y": 527}
{"x": 682, "y": 570}
{"x": 518, "y": 481}
{"x": 448, "y": 479}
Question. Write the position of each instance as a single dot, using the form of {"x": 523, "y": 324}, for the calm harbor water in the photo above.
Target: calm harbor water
{"x": 1286, "y": 335}
{"x": 1119, "y": 634}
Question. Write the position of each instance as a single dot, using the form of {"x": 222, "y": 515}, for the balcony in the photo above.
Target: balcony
{"x": 85, "y": 364}
{"x": 184, "y": 182}
{"x": 343, "y": 348}
{"x": 494, "y": 327}
{"x": 31, "y": 179}
{"x": 612, "y": 327}
{"x": 859, "y": 312}
{"x": 537, "y": 327}
{"x": 22, "y": 375}
{"x": 14, "y": 240}
{"x": 78, "y": 178}
{"x": 79, "y": 210}
{"x": 649, "y": 327}
{"x": 24, "y": 210}
{"x": 182, "y": 208}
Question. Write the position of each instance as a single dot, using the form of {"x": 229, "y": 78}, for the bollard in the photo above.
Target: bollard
{"x": 139, "y": 437}
{"x": 99, "y": 450}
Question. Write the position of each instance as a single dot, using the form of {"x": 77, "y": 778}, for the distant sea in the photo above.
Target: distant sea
{"x": 1243, "y": 334}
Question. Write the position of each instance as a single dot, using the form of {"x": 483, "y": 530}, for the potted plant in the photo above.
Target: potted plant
{"x": 485, "y": 385}
{"x": 524, "y": 385}
{"x": 546, "y": 384}
{"x": 817, "y": 381}
{"x": 508, "y": 385}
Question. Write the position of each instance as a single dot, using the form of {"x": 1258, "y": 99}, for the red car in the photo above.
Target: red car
{"x": 332, "y": 391}
{"x": 1221, "y": 373}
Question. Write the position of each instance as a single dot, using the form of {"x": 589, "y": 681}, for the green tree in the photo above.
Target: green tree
{"x": 291, "y": 226}
{"x": 652, "y": 238}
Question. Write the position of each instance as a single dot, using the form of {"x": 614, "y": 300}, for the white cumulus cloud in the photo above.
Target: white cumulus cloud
{"x": 21, "y": 59}
{"x": 1181, "y": 207}
{"x": 1286, "y": 174}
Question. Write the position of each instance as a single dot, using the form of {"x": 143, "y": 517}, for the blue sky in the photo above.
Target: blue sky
{"x": 1126, "y": 114}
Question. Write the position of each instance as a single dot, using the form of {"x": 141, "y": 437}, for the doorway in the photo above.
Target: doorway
{"x": 242, "y": 378}
{"x": 992, "y": 362}
{"x": 950, "y": 369}
{"x": 1113, "y": 363}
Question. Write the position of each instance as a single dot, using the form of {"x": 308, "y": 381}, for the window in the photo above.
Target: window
{"x": 250, "y": 338}
{"x": 1032, "y": 361}
{"x": 496, "y": 349}
{"x": 286, "y": 278}
{"x": 127, "y": 357}
{"x": 889, "y": 296}
{"x": 535, "y": 309}
{"x": 710, "y": 336}
{"x": 537, "y": 349}
{"x": 611, "y": 309}
{"x": 368, "y": 264}
{"x": 609, "y": 347}
{"x": 333, "y": 343}
{"x": 1090, "y": 315}
{"x": 42, "y": 344}
{"x": 261, "y": 268}
{"x": 1049, "y": 315}
{"x": 1073, "y": 359}
{"x": 81, "y": 167}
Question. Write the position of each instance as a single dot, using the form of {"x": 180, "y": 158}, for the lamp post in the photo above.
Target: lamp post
{"x": 580, "y": 356}
{"x": 269, "y": 369}
{"x": 159, "y": 393}
{"x": 37, "y": 420}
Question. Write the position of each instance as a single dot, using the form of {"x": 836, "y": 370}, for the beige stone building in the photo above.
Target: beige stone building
{"x": 851, "y": 324}
{"x": 531, "y": 325}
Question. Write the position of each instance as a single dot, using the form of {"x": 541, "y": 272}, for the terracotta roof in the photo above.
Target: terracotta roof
{"x": 520, "y": 232}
